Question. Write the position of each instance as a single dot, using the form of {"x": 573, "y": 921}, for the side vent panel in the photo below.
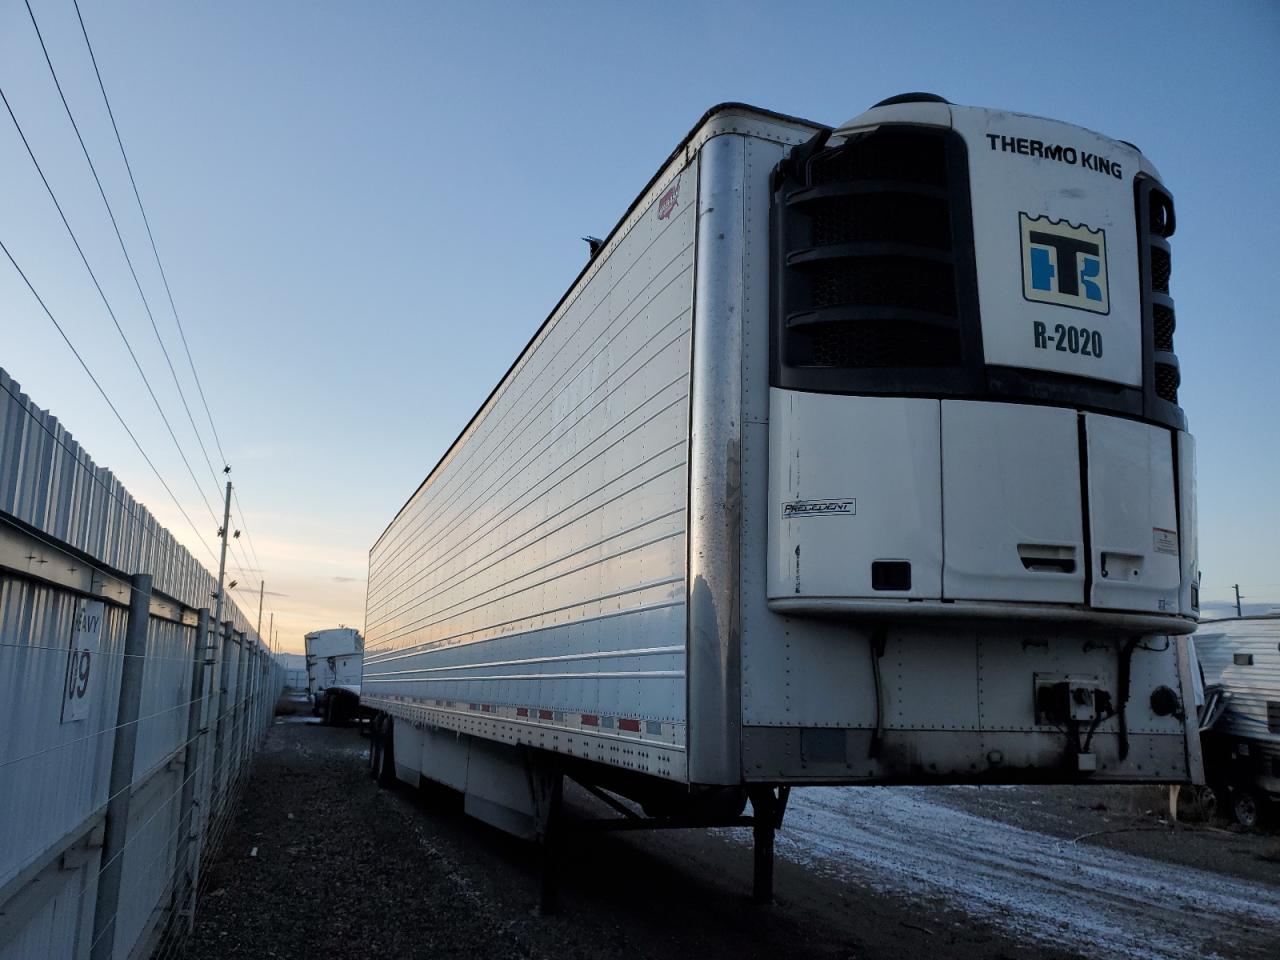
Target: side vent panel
{"x": 1156, "y": 222}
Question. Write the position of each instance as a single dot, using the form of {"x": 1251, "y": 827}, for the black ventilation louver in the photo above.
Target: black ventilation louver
{"x": 1156, "y": 222}
{"x": 875, "y": 289}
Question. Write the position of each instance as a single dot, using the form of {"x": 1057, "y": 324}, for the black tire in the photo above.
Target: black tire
{"x": 1198, "y": 804}
{"x": 326, "y": 711}
{"x": 1249, "y": 807}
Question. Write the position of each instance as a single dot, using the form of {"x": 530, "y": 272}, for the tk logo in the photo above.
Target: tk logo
{"x": 1064, "y": 264}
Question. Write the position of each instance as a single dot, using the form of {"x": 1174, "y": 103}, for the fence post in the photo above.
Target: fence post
{"x": 208, "y": 721}
{"x": 120, "y": 783}
{"x": 268, "y": 710}
{"x": 255, "y": 723}
{"x": 191, "y": 766}
{"x": 220, "y": 729}
{"x": 242, "y": 703}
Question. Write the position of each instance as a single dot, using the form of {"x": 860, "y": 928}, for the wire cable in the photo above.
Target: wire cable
{"x": 150, "y": 236}
{"x": 63, "y": 333}
{"x": 101, "y": 293}
{"x": 120, "y": 239}
{"x": 257, "y": 563}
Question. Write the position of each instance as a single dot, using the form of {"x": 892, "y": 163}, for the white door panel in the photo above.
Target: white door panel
{"x": 1011, "y": 503}
{"x": 1133, "y": 516}
{"x": 854, "y": 481}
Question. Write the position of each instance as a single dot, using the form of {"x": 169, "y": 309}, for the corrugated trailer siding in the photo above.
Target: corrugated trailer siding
{"x": 1251, "y": 686}
{"x": 543, "y": 563}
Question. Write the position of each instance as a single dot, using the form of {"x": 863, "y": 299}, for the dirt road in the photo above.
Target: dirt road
{"x": 344, "y": 869}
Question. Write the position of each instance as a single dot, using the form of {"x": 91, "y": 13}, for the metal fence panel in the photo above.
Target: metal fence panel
{"x": 71, "y": 540}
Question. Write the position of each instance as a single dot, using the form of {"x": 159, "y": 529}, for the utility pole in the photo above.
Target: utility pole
{"x": 222, "y": 561}
{"x": 1237, "y": 586}
{"x": 271, "y": 632}
{"x": 262, "y": 590}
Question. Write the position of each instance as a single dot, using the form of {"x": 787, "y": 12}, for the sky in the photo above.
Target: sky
{"x": 364, "y": 211}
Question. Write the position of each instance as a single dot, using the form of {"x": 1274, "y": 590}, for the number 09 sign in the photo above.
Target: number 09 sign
{"x": 82, "y": 658}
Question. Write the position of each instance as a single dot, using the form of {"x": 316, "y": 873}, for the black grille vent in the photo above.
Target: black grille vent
{"x": 1162, "y": 327}
{"x": 884, "y": 282}
{"x": 874, "y": 247}
{"x": 1156, "y": 224}
{"x": 884, "y": 157}
{"x": 899, "y": 345}
{"x": 883, "y": 218}
{"x": 1168, "y": 379}
{"x": 1161, "y": 267}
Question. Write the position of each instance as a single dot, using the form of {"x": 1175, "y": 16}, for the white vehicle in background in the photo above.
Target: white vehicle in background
{"x": 1242, "y": 746}
{"x": 335, "y": 662}
{"x": 853, "y": 456}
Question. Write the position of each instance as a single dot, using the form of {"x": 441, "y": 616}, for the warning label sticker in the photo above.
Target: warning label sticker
{"x": 1164, "y": 541}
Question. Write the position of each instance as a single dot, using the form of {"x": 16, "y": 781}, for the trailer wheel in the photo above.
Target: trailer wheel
{"x": 1248, "y": 807}
{"x": 1199, "y": 804}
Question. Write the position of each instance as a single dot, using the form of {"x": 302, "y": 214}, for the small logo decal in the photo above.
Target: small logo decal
{"x": 667, "y": 202}
{"x": 820, "y": 508}
{"x": 1064, "y": 264}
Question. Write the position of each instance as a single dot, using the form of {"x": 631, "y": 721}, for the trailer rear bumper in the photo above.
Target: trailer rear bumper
{"x": 1044, "y": 615}
{"x": 833, "y": 756}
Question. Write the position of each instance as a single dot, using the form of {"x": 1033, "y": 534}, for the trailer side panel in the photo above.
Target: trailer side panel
{"x": 533, "y": 589}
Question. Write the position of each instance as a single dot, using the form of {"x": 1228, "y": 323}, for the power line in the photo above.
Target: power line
{"x": 150, "y": 236}
{"x": 67, "y": 339}
{"x": 133, "y": 272}
{"x": 120, "y": 239}
{"x": 101, "y": 293}
{"x": 253, "y": 549}
{"x": 257, "y": 563}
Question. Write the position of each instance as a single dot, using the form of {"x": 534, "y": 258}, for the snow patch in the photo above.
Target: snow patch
{"x": 1105, "y": 903}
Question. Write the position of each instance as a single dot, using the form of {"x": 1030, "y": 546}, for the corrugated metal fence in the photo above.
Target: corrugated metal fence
{"x": 127, "y": 717}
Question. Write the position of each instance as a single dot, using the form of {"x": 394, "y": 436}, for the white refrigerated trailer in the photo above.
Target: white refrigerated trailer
{"x": 853, "y": 456}
{"x": 335, "y": 662}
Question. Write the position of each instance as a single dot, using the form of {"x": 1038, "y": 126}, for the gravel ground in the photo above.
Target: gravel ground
{"x": 344, "y": 869}
{"x": 337, "y": 871}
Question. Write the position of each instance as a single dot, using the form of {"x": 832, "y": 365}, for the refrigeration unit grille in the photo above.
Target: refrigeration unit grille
{"x": 874, "y": 266}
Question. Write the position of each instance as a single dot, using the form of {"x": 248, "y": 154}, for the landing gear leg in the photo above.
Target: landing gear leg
{"x": 767, "y": 808}
{"x": 548, "y": 791}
